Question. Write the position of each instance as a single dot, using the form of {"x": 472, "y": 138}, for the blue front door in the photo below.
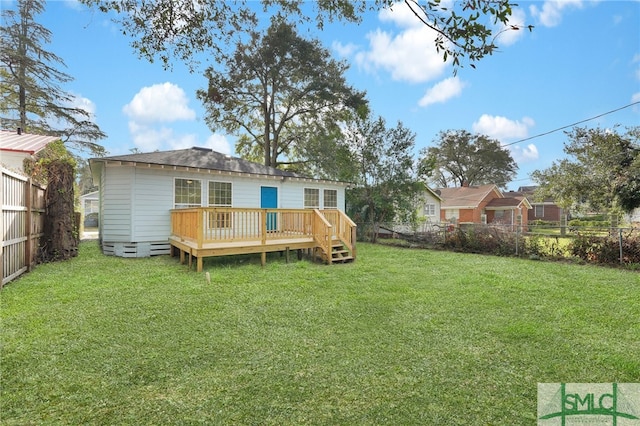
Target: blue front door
{"x": 269, "y": 200}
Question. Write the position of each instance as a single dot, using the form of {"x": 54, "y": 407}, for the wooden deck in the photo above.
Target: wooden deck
{"x": 205, "y": 232}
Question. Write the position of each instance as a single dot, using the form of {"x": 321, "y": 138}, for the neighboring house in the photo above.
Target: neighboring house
{"x": 546, "y": 210}
{"x": 481, "y": 204}
{"x": 430, "y": 204}
{"x": 90, "y": 204}
{"x": 427, "y": 212}
{"x": 16, "y": 146}
{"x": 137, "y": 192}
{"x": 633, "y": 217}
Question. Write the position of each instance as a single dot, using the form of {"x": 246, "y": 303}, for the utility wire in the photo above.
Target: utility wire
{"x": 571, "y": 125}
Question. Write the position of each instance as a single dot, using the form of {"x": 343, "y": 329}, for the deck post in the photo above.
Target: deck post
{"x": 353, "y": 242}
{"x": 200, "y": 228}
{"x": 199, "y": 266}
{"x": 263, "y": 231}
{"x": 286, "y": 255}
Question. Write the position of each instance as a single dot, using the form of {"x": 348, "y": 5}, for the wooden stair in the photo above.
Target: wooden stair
{"x": 339, "y": 254}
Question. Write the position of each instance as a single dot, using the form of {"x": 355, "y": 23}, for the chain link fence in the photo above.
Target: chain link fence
{"x": 604, "y": 245}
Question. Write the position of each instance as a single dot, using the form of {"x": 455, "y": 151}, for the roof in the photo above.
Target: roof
{"x": 466, "y": 197}
{"x": 202, "y": 159}
{"x": 433, "y": 193}
{"x": 530, "y": 193}
{"x": 508, "y": 203}
{"x": 24, "y": 142}
{"x": 91, "y": 195}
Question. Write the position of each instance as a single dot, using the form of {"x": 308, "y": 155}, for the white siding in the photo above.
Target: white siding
{"x": 153, "y": 198}
{"x": 293, "y": 194}
{"x": 117, "y": 203}
{"x": 137, "y": 200}
{"x": 14, "y": 160}
{"x": 428, "y": 198}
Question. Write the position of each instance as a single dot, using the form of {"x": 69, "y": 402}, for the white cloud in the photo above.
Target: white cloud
{"x": 502, "y": 128}
{"x": 550, "y": 14}
{"x": 74, "y": 4}
{"x": 442, "y": 91}
{"x": 408, "y": 55}
{"x": 157, "y": 104}
{"x": 79, "y": 102}
{"x": 218, "y": 143}
{"x": 401, "y": 15}
{"x": 165, "y": 102}
{"x": 148, "y": 139}
{"x": 344, "y": 50}
{"x": 524, "y": 154}
{"x": 85, "y": 104}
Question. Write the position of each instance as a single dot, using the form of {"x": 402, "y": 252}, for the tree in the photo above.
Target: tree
{"x": 462, "y": 158}
{"x": 32, "y": 98}
{"x": 601, "y": 172}
{"x": 276, "y": 91}
{"x": 180, "y": 29}
{"x": 84, "y": 178}
{"x": 382, "y": 171}
{"x": 60, "y": 233}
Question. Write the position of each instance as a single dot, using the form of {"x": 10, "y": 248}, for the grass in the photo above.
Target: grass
{"x": 399, "y": 337}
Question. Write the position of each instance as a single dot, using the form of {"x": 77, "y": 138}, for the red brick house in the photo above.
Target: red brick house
{"x": 482, "y": 204}
{"x": 546, "y": 210}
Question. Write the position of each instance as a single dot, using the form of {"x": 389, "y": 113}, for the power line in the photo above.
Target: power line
{"x": 573, "y": 124}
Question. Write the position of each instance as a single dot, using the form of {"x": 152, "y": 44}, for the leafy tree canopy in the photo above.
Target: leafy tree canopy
{"x": 461, "y": 158}
{"x": 282, "y": 95}
{"x": 602, "y": 170}
{"x": 180, "y": 29}
{"x": 32, "y": 96}
{"x": 382, "y": 169}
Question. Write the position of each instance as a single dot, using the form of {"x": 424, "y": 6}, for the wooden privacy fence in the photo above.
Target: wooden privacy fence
{"x": 23, "y": 208}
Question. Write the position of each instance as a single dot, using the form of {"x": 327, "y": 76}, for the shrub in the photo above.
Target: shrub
{"x": 483, "y": 239}
{"x": 606, "y": 250}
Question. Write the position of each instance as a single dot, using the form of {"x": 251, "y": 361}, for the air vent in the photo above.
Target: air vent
{"x": 199, "y": 148}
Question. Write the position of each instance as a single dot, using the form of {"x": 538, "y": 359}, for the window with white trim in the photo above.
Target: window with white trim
{"x": 187, "y": 193}
{"x": 220, "y": 195}
{"x": 430, "y": 209}
{"x": 452, "y": 215}
{"x": 330, "y": 199}
{"x": 311, "y": 198}
{"x": 538, "y": 211}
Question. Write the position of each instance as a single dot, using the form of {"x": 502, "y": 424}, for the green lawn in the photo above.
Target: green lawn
{"x": 400, "y": 337}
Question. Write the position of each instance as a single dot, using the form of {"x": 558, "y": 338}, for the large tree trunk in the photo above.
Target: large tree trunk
{"x": 60, "y": 239}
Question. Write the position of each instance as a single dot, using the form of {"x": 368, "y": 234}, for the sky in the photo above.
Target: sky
{"x": 582, "y": 60}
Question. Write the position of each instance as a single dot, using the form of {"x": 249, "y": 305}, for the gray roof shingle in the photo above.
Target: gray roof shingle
{"x": 201, "y": 158}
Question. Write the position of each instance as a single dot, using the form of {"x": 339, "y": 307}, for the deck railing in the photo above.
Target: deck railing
{"x": 210, "y": 225}
{"x": 343, "y": 228}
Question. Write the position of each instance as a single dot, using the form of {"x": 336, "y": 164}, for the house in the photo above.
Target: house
{"x": 482, "y": 204}
{"x": 90, "y": 205}
{"x": 430, "y": 202}
{"x": 427, "y": 206}
{"x": 151, "y": 202}
{"x": 546, "y": 210}
{"x": 633, "y": 217}
{"x": 17, "y": 146}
